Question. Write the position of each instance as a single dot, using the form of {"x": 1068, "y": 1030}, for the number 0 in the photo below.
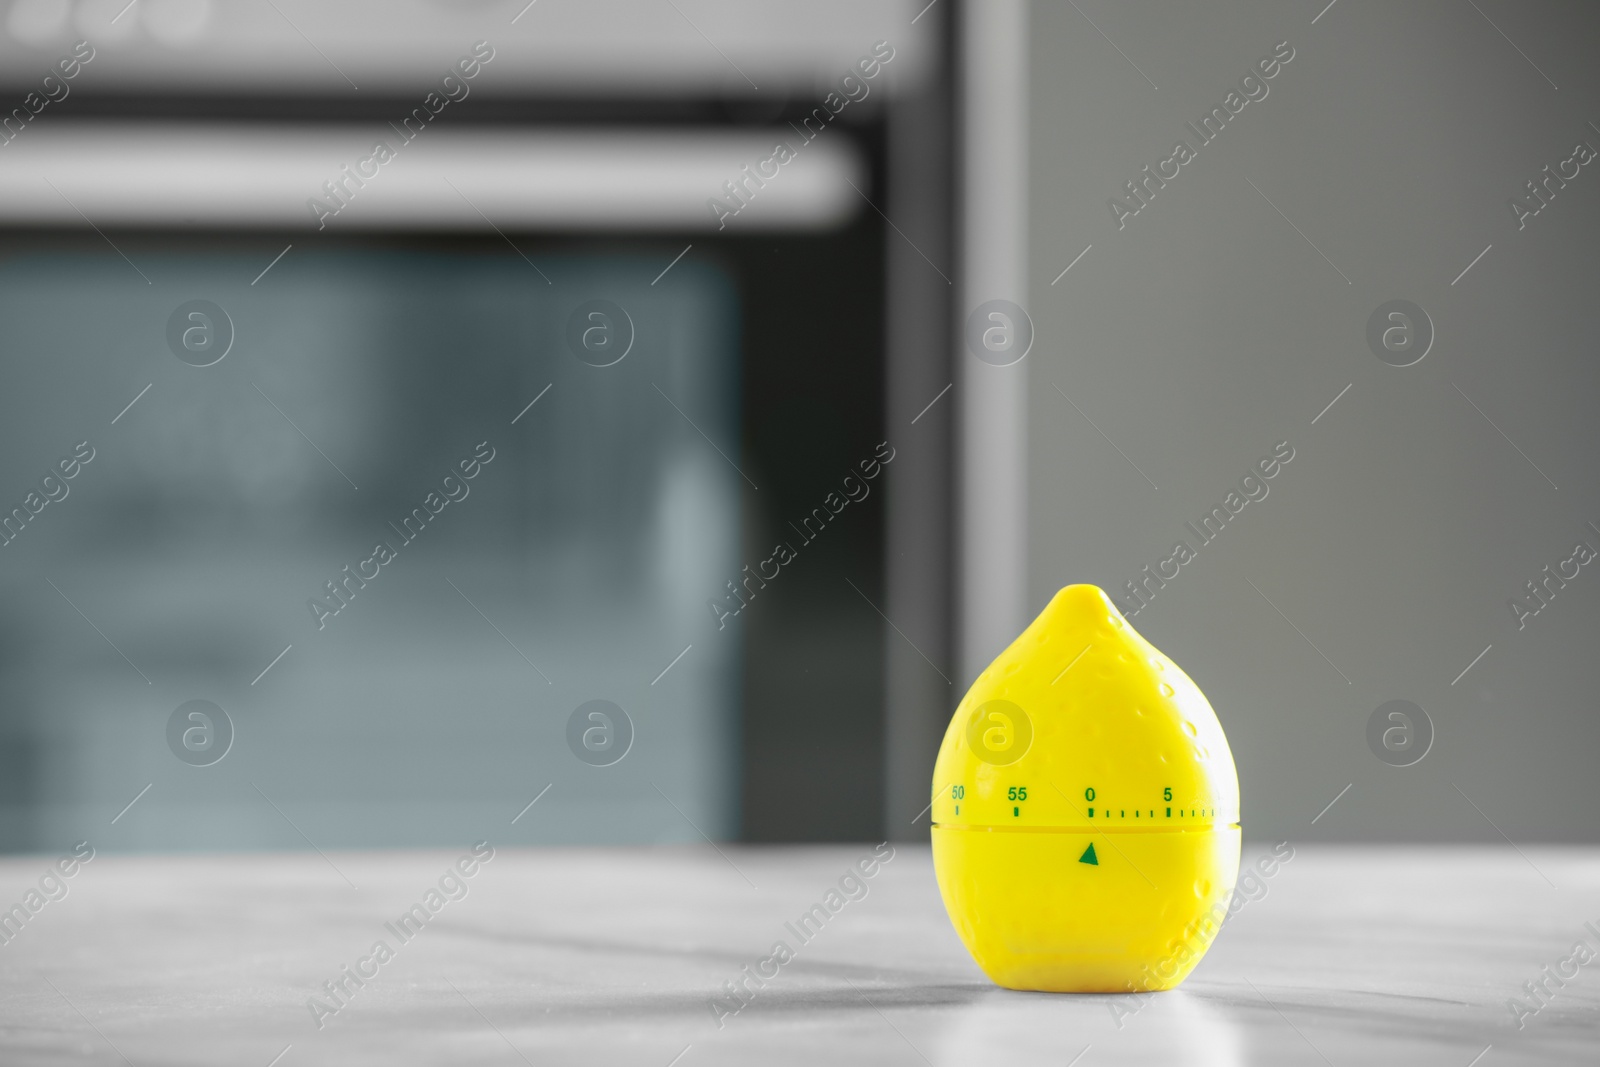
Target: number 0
{"x": 1088, "y": 794}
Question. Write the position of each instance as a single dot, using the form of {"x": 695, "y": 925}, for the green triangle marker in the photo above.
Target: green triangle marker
{"x": 1089, "y": 856}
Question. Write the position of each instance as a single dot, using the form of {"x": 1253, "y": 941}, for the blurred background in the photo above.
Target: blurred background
{"x": 581, "y": 253}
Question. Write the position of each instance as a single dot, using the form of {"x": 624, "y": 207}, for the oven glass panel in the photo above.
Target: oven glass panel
{"x": 353, "y": 534}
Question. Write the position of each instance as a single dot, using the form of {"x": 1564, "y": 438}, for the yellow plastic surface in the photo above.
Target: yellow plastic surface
{"x": 1085, "y": 809}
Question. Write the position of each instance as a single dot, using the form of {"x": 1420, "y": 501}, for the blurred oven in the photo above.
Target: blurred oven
{"x": 289, "y": 271}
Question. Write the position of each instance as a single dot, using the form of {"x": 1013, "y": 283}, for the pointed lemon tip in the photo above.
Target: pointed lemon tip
{"x": 1084, "y": 604}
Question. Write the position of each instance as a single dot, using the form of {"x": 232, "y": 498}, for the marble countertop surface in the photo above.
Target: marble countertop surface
{"x": 616, "y": 956}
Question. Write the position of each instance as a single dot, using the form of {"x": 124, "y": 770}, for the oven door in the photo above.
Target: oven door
{"x": 435, "y": 384}
{"x": 375, "y": 532}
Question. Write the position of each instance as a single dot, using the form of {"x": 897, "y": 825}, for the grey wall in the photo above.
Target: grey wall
{"x": 1214, "y": 325}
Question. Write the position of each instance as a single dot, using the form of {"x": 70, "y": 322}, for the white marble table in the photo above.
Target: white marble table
{"x": 1352, "y": 956}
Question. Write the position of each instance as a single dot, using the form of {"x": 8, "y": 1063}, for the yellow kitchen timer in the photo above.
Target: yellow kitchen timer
{"x": 1085, "y": 809}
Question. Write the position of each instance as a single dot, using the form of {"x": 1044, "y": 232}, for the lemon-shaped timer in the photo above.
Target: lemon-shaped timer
{"x": 1085, "y": 809}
